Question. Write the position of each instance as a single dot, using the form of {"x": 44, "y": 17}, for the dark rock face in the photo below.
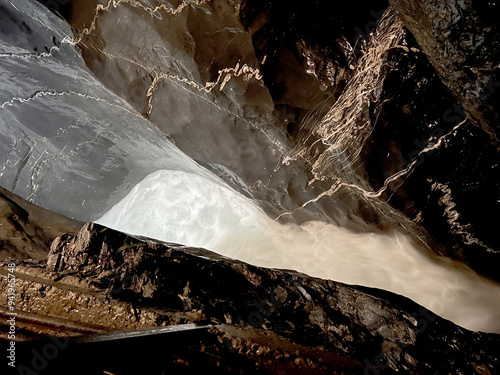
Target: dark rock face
{"x": 26, "y": 230}
{"x": 371, "y": 329}
{"x": 248, "y": 319}
{"x": 452, "y": 190}
{"x": 304, "y": 51}
{"x": 461, "y": 40}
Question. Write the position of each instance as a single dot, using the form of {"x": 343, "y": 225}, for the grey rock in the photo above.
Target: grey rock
{"x": 26, "y": 230}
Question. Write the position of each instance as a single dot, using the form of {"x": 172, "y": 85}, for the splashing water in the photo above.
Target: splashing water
{"x": 331, "y": 147}
{"x": 187, "y": 208}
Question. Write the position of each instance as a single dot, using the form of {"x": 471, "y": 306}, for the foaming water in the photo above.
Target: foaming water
{"x": 186, "y": 208}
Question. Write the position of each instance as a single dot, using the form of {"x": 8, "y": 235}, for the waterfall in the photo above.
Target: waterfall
{"x": 70, "y": 144}
{"x": 186, "y": 208}
{"x": 189, "y": 209}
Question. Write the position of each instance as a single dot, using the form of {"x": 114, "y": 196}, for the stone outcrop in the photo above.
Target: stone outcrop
{"x": 104, "y": 280}
{"x": 233, "y": 317}
{"x": 461, "y": 39}
{"x": 26, "y": 230}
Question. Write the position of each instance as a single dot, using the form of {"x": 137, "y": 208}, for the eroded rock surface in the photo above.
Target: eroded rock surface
{"x": 452, "y": 174}
{"x": 260, "y": 320}
{"x": 305, "y": 51}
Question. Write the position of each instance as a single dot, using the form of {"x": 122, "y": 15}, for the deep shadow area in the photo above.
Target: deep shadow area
{"x": 60, "y": 7}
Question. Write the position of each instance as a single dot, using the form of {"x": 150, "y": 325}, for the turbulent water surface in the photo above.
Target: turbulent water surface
{"x": 70, "y": 144}
{"x": 188, "y": 209}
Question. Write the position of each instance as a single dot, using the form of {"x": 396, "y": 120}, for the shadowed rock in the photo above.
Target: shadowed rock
{"x": 461, "y": 39}
{"x": 452, "y": 190}
{"x": 26, "y": 230}
{"x": 361, "y": 324}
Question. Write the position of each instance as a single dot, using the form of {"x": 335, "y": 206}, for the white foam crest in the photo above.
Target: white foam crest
{"x": 189, "y": 209}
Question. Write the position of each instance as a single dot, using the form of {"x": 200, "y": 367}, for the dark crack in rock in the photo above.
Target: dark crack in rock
{"x": 450, "y": 189}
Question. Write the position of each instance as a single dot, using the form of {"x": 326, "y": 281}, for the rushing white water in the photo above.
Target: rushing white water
{"x": 187, "y": 208}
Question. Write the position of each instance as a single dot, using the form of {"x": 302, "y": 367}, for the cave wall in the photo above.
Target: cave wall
{"x": 461, "y": 40}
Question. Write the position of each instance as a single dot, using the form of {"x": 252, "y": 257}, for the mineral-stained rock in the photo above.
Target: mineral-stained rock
{"x": 182, "y": 65}
{"x": 26, "y": 230}
{"x": 273, "y": 320}
{"x": 249, "y": 319}
{"x": 461, "y": 39}
{"x": 192, "y": 71}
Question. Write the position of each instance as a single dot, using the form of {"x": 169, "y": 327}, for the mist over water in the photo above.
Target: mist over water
{"x": 188, "y": 209}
